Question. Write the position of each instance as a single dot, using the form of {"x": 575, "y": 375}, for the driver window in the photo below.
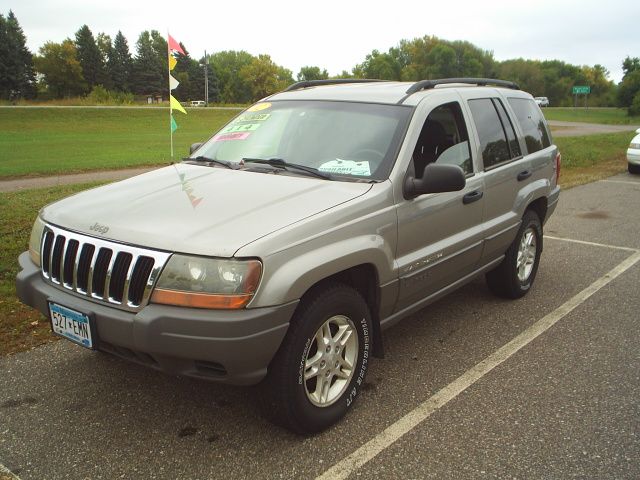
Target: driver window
{"x": 444, "y": 140}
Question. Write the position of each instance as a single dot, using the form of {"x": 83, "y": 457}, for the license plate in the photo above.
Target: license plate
{"x": 71, "y": 324}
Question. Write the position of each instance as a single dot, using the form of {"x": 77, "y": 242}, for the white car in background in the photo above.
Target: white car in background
{"x": 633, "y": 154}
{"x": 542, "y": 101}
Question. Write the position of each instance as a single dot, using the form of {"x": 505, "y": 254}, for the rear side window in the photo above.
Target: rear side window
{"x": 514, "y": 146}
{"x": 536, "y": 135}
{"x": 493, "y": 140}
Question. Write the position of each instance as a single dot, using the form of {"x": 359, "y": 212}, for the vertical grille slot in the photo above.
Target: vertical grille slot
{"x": 103, "y": 271}
{"x": 46, "y": 253}
{"x": 84, "y": 264}
{"x": 100, "y": 271}
{"x": 139, "y": 279}
{"x": 69, "y": 262}
{"x": 56, "y": 259}
{"x": 119, "y": 275}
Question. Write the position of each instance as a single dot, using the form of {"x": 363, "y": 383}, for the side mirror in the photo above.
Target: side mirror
{"x": 194, "y": 147}
{"x": 436, "y": 179}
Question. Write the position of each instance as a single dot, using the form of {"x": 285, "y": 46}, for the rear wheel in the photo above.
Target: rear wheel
{"x": 633, "y": 168}
{"x": 321, "y": 365}
{"x": 514, "y": 277}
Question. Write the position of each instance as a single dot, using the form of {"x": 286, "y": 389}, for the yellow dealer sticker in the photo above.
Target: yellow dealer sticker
{"x": 259, "y": 106}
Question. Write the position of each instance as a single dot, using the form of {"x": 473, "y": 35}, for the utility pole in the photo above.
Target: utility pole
{"x": 206, "y": 80}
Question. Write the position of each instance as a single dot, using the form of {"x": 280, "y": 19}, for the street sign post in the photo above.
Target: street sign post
{"x": 580, "y": 90}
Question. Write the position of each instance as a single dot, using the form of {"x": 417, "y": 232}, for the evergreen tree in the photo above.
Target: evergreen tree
{"x": 150, "y": 76}
{"x": 90, "y": 58}
{"x": 120, "y": 64}
{"x": 17, "y": 77}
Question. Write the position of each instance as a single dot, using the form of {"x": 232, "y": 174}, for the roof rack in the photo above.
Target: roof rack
{"x": 428, "y": 84}
{"x": 335, "y": 81}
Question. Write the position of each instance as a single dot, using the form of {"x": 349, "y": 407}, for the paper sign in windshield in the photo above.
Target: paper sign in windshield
{"x": 231, "y": 136}
{"x": 253, "y": 117}
{"x": 247, "y": 127}
{"x": 346, "y": 167}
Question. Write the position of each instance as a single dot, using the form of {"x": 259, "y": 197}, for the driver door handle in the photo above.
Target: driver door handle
{"x": 472, "y": 197}
{"x": 524, "y": 175}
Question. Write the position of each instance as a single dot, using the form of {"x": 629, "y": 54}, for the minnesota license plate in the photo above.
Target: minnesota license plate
{"x": 71, "y": 324}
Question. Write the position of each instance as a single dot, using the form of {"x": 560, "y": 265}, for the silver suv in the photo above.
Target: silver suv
{"x": 283, "y": 246}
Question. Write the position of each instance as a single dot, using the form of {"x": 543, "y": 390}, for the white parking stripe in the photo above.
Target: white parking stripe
{"x": 593, "y": 244}
{"x": 6, "y": 474}
{"x": 395, "y": 431}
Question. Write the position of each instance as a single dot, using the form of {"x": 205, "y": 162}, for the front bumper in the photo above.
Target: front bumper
{"x": 633, "y": 156}
{"x": 229, "y": 346}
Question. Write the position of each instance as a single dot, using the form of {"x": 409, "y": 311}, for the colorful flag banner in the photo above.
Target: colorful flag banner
{"x": 175, "y": 104}
{"x": 173, "y": 49}
{"x": 173, "y": 83}
{"x": 174, "y": 46}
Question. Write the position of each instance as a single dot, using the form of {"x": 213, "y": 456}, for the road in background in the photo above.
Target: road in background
{"x": 564, "y": 405}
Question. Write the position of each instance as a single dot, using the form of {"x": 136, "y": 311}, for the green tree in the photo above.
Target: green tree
{"x": 312, "y": 73}
{"x": 265, "y": 77}
{"x": 59, "y": 65}
{"x": 227, "y": 66}
{"x": 90, "y": 58}
{"x": 629, "y": 88}
{"x": 120, "y": 64}
{"x": 150, "y": 71}
{"x": 17, "y": 76}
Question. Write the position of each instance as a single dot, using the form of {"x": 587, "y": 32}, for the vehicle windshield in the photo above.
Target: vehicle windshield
{"x": 347, "y": 140}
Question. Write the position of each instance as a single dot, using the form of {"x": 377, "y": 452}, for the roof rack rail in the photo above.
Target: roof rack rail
{"x": 335, "y": 81}
{"x": 428, "y": 84}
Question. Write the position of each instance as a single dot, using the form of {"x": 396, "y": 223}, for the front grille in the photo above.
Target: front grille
{"x": 116, "y": 274}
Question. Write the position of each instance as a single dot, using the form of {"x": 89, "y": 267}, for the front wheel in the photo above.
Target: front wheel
{"x": 321, "y": 365}
{"x": 514, "y": 277}
{"x": 633, "y": 168}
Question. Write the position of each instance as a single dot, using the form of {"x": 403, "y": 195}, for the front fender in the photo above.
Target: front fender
{"x": 289, "y": 274}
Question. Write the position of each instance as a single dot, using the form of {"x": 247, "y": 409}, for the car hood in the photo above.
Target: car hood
{"x": 197, "y": 209}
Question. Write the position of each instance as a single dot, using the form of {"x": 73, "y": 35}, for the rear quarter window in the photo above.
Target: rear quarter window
{"x": 532, "y": 123}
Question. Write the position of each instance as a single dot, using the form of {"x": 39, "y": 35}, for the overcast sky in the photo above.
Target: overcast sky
{"x": 337, "y": 35}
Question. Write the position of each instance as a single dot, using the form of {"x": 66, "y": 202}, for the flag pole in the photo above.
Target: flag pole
{"x": 170, "y": 108}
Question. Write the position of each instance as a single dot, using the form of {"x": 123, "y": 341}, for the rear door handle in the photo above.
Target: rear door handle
{"x": 472, "y": 197}
{"x": 524, "y": 175}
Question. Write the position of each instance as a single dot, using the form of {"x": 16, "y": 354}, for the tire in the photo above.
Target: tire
{"x": 633, "y": 168}
{"x": 514, "y": 277}
{"x": 300, "y": 404}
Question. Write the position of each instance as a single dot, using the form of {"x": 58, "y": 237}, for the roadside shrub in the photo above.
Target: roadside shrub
{"x": 634, "y": 109}
{"x": 101, "y": 96}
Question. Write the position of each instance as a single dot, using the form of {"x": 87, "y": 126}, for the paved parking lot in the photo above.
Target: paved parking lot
{"x": 473, "y": 386}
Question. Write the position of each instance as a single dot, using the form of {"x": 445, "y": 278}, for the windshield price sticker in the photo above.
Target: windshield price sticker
{"x": 70, "y": 324}
{"x": 231, "y": 136}
{"x": 246, "y": 127}
{"x": 253, "y": 117}
{"x": 346, "y": 167}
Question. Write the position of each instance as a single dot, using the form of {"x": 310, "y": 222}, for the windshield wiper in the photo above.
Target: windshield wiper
{"x": 280, "y": 163}
{"x": 201, "y": 158}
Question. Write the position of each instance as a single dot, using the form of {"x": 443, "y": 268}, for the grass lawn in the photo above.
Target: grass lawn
{"x": 47, "y": 141}
{"x": 21, "y": 327}
{"x": 584, "y": 159}
{"x": 614, "y": 116}
{"x": 593, "y": 157}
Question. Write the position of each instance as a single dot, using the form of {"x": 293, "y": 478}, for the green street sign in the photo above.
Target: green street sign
{"x": 581, "y": 90}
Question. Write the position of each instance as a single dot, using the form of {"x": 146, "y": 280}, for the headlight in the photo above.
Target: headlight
{"x": 635, "y": 146}
{"x": 35, "y": 239}
{"x": 201, "y": 282}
